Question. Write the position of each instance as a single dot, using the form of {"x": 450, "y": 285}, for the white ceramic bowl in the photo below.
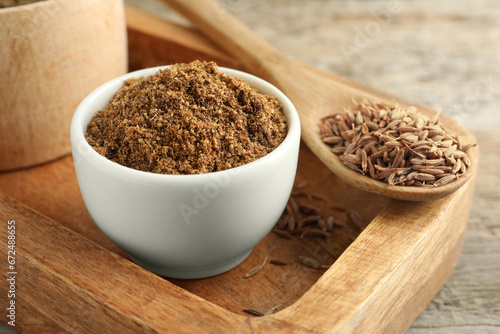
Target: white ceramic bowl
{"x": 185, "y": 226}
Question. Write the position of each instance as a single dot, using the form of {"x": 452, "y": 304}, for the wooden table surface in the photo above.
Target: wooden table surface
{"x": 443, "y": 53}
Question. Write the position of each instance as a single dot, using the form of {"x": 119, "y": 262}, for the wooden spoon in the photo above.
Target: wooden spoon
{"x": 315, "y": 94}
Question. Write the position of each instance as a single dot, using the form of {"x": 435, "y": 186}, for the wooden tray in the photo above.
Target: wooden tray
{"x": 71, "y": 278}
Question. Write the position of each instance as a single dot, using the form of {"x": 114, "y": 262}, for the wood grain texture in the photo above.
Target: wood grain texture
{"x": 54, "y": 53}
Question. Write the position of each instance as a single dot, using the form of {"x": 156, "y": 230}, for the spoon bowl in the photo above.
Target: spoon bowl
{"x": 315, "y": 94}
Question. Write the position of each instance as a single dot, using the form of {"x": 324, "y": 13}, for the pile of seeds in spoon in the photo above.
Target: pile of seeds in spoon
{"x": 395, "y": 145}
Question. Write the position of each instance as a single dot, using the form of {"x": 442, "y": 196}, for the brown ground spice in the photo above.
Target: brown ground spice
{"x": 187, "y": 119}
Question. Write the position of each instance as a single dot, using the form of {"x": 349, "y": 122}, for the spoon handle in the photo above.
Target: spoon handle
{"x": 229, "y": 33}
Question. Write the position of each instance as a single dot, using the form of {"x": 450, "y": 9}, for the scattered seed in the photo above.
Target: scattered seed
{"x": 322, "y": 224}
{"x": 466, "y": 147}
{"x": 466, "y": 161}
{"x": 300, "y": 194}
{"x": 282, "y": 221}
{"x": 433, "y": 171}
{"x": 312, "y": 224}
{"x": 283, "y": 234}
{"x": 463, "y": 168}
{"x": 312, "y": 263}
{"x": 444, "y": 180}
{"x": 364, "y": 161}
{"x": 271, "y": 311}
{"x": 356, "y": 219}
{"x": 364, "y": 129}
{"x": 298, "y": 231}
{"x": 425, "y": 177}
{"x": 352, "y": 158}
{"x": 314, "y": 232}
{"x": 330, "y": 223}
{"x": 352, "y": 166}
{"x": 302, "y": 184}
{"x": 326, "y": 246}
{"x": 308, "y": 220}
{"x": 278, "y": 262}
{"x": 291, "y": 223}
{"x": 332, "y": 139}
{"x": 254, "y": 312}
{"x": 338, "y": 208}
{"x": 338, "y": 150}
{"x": 308, "y": 209}
{"x": 316, "y": 197}
{"x": 256, "y": 269}
{"x": 294, "y": 208}
{"x": 289, "y": 210}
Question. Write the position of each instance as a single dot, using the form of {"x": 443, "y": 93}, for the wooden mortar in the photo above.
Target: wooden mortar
{"x": 53, "y": 54}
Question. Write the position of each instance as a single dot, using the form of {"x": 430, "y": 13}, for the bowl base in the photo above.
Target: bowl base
{"x": 193, "y": 273}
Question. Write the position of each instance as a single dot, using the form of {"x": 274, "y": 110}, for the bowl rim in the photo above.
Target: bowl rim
{"x": 86, "y": 107}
